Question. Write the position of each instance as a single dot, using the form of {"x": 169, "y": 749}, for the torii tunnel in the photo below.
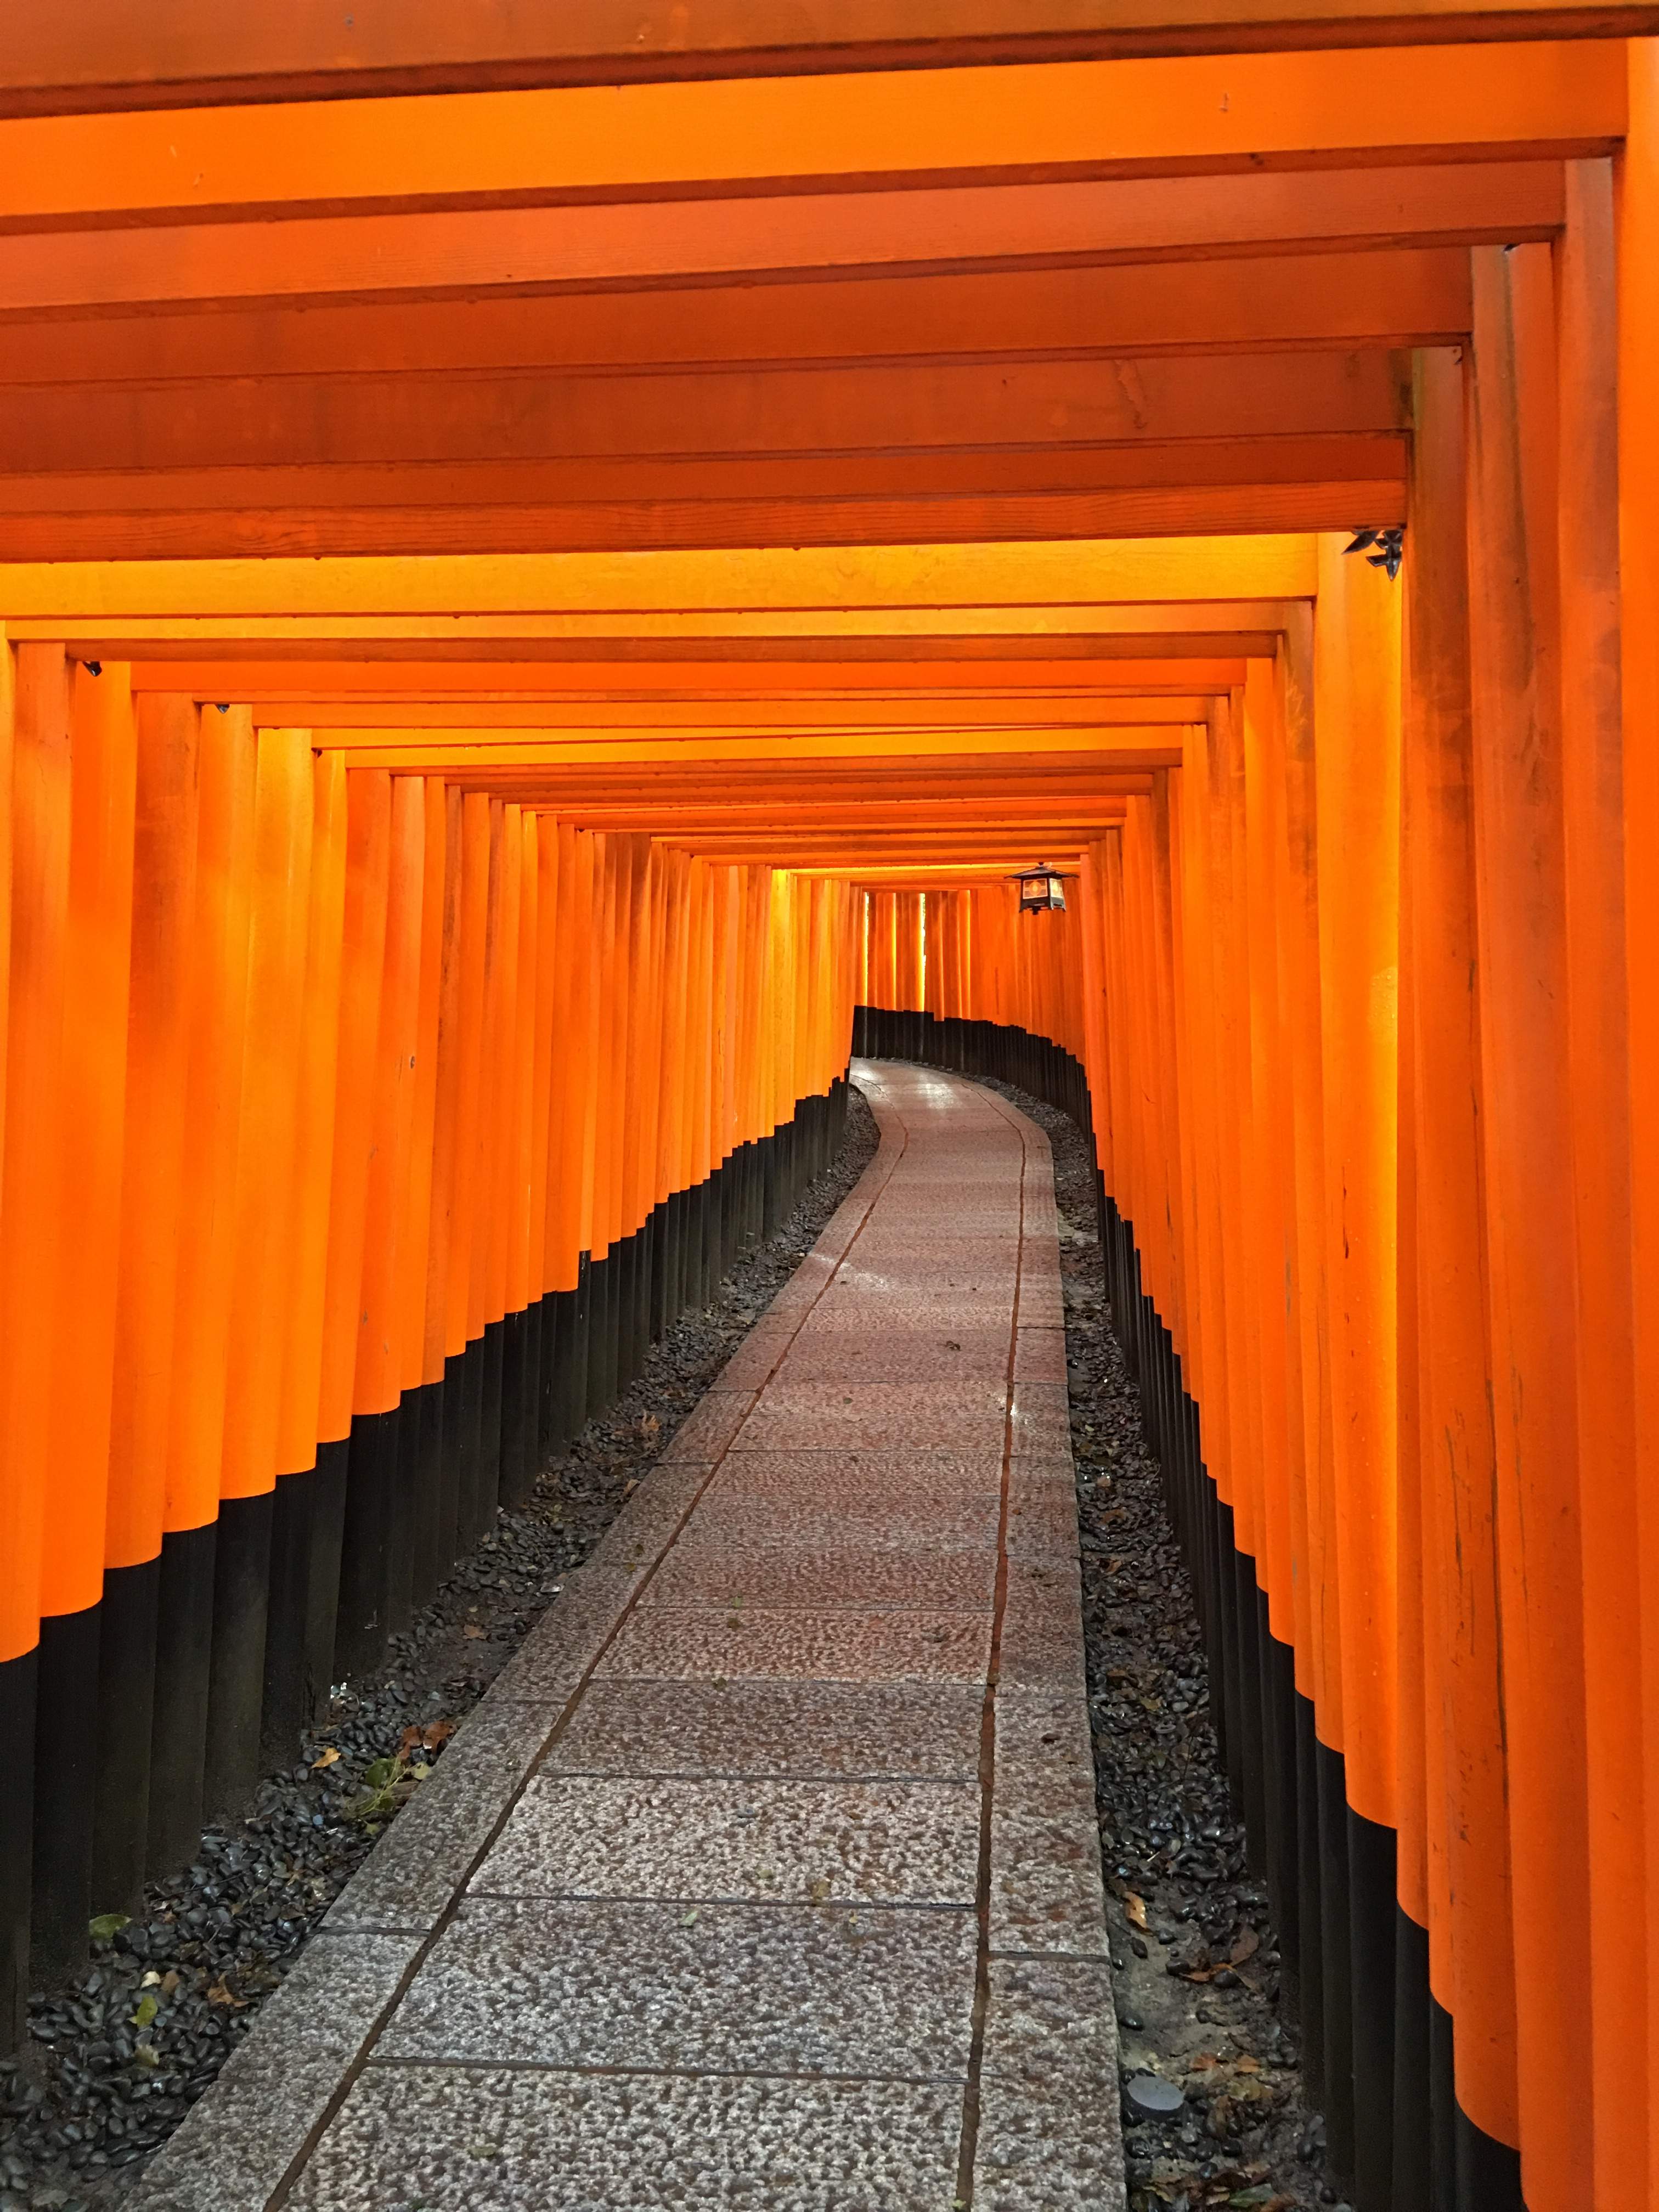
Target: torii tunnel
{"x": 555, "y": 562}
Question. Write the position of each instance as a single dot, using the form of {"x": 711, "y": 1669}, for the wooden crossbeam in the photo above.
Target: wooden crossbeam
{"x": 91, "y": 54}
{"x": 418, "y": 750}
{"x": 457, "y": 255}
{"x": 1399, "y": 296}
{"x": 1179, "y": 511}
{"x": 779, "y": 580}
{"x": 541, "y": 722}
{"x": 297, "y": 685}
{"x": 650, "y": 639}
{"x": 1077, "y": 118}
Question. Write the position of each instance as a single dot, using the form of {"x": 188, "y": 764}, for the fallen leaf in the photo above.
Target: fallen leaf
{"x": 437, "y": 1732}
{"x": 1134, "y": 1909}
{"x": 146, "y": 2011}
{"x": 327, "y": 1757}
{"x": 1246, "y": 1947}
{"x": 472, "y": 1632}
{"x": 106, "y": 1926}
{"x": 169, "y": 1983}
{"x": 220, "y": 1993}
{"x": 147, "y": 2055}
{"x": 1202, "y": 2061}
{"x": 151, "y": 1980}
{"x": 1248, "y": 2065}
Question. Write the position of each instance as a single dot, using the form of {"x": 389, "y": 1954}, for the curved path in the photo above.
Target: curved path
{"x": 767, "y": 1874}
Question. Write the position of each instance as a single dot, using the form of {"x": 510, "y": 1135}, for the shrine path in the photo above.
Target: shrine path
{"x": 767, "y": 1874}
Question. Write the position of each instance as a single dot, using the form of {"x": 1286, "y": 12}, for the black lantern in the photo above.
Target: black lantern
{"x": 1042, "y": 889}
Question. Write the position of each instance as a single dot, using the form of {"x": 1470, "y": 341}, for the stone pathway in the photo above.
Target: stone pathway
{"x": 767, "y": 1875}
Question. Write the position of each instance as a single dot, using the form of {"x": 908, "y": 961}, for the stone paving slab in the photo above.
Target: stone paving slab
{"x": 463, "y": 2139}
{"x": 722, "y": 1989}
{"x": 841, "y": 1474}
{"x": 801, "y": 1645}
{"x": 846, "y": 1416}
{"x": 863, "y": 1579}
{"x": 234, "y": 2147}
{"x": 852, "y": 1516}
{"x": 890, "y": 1355}
{"x": 809, "y": 1730}
{"x": 768, "y": 1872}
{"x": 879, "y": 1843}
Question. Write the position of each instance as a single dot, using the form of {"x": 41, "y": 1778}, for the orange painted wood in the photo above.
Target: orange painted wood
{"x": 577, "y": 415}
{"x": 1067, "y": 117}
{"x": 1593, "y": 750}
{"x": 1471, "y": 1956}
{"x": 1524, "y": 987}
{"x": 1317, "y": 503}
{"x": 333, "y": 260}
{"x": 165, "y": 951}
{"x": 94, "y": 55}
{"x": 224, "y": 764}
{"x": 362, "y": 964}
{"x": 300, "y": 1431}
{"x": 269, "y": 1167}
{"x": 41, "y": 804}
{"x": 1638, "y": 500}
{"x": 1399, "y": 296}
{"x": 423, "y": 1280}
{"x": 97, "y": 964}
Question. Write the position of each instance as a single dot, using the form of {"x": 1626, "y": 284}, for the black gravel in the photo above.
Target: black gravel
{"x": 115, "y": 2062}
{"x": 1195, "y": 1954}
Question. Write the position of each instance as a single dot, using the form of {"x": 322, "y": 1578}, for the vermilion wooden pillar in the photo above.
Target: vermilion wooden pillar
{"x": 1527, "y": 1167}
{"x": 1471, "y": 1963}
{"x": 1637, "y": 209}
{"x": 1593, "y": 747}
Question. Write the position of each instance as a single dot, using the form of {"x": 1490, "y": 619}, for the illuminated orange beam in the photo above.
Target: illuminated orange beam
{"x": 912, "y": 125}
{"x": 1404, "y": 296}
{"x": 1061, "y": 627}
{"x": 499, "y": 722}
{"x": 294, "y": 683}
{"x": 1072, "y": 574}
{"x": 1158, "y": 750}
{"x": 100, "y": 54}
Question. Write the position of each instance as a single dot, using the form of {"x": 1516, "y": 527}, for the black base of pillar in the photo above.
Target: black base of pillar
{"x": 490, "y": 1428}
{"x": 184, "y": 1654}
{"x": 126, "y": 1705}
{"x": 19, "y": 1691}
{"x": 371, "y": 1472}
{"x": 286, "y": 1699}
{"x": 434, "y": 1508}
{"x": 65, "y": 1770}
{"x": 401, "y": 1511}
{"x": 241, "y": 1585}
{"x": 330, "y": 1481}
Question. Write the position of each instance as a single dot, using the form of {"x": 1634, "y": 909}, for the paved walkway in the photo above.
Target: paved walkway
{"x": 767, "y": 1875}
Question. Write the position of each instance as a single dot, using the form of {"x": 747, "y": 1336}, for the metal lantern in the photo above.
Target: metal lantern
{"x": 1042, "y": 889}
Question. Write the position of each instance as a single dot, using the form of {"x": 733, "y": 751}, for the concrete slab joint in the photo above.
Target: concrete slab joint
{"x": 767, "y": 1873}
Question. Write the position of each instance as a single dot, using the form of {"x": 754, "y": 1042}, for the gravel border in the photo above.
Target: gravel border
{"x": 1180, "y": 1901}
{"x": 117, "y": 2060}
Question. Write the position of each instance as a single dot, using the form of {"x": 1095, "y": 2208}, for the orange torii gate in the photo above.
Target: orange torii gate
{"x": 541, "y": 583}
